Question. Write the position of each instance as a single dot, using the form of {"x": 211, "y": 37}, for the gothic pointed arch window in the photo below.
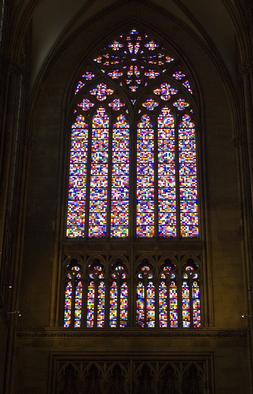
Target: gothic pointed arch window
{"x": 133, "y": 176}
{"x": 133, "y": 155}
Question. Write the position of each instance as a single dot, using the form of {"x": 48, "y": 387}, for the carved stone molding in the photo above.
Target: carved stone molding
{"x": 80, "y": 333}
{"x": 150, "y": 374}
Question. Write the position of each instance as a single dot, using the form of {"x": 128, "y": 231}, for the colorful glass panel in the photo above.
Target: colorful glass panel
{"x": 68, "y": 302}
{"x": 186, "y": 304}
{"x": 133, "y": 59}
{"x": 86, "y": 105}
{"x": 196, "y": 304}
{"x": 165, "y": 91}
{"x": 179, "y": 75}
{"x": 189, "y": 219}
{"x": 145, "y": 297}
{"x": 96, "y": 297}
{"x": 99, "y": 174}
{"x": 101, "y": 92}
{"x": 119, "y": 298}
{"x": 145, "y": 178}
{"x": 78, "y": 302}
{"x": 150, "y": 104}
{"x": 167, "y": 216}
{"x": 168, "y": 298}
{"x": 188, "y": 86}
{"x": 191, "y": 313}
{"x": 73, "y": 297}
{"x": 181, "y": 104}
{"x": 116, "y": 105}
{"x": 120, "y": 179}
{"x": 77, "y": 179}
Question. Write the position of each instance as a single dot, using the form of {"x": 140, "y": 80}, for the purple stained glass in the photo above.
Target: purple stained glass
{"x": 119, "y": 297}
{"x": 73, "y": 297}
{"x": 86, "y": 105}
{"x": 116, "y": 104}
{"x": 150, "y": 104}
{"x": 68, "y": 302}
{"x": 167, "y": 218}
{"x": 191, "y": 312}
{"x": 181, "y": 104}
{"x": 133, "y": 59}
{"x": 152, "y": 74}
{"x": 165, "y": 91}
{"x": 179, "y": 75}
{"x": 115, "y": 74}
{"x": 168, "y": 297}
{"x": 96, "y": 296}
{"x": 145, "y": 184}
{"x": 145, "y": 297}
{"x": 188, "y": 86}
{"x": 99, "y": 174}
{"x": 120, "y": 178}
{"x": 101, "y": 92}
{"x": 78, "y": 302}
{"x": 77, "y": 178}
{"x": 151, "y": 45}
{"x": 189, "y": 218}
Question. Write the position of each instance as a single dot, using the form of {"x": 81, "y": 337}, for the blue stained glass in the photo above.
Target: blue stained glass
{"x": 99, "y": 174}
{"x": 120, "y": 178}
{"x": 167, "y": 222}
{"x": 189, "y": 219}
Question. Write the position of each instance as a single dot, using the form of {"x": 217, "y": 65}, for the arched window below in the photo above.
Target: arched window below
{"x": 165, "y": 297}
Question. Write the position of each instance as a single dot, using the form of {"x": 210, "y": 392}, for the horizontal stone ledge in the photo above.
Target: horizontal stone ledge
{"x": 130, "y": 332}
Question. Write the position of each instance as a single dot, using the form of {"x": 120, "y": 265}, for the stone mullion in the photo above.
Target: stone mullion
{"x": 245, "y": 145}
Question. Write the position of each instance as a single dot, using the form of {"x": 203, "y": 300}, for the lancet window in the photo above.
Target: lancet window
{"x": 133, "y": 176}
{"x": 97, "y": 294}
{"x": 133, "y": 145}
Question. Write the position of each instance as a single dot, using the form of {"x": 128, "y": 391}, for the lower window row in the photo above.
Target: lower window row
{"x": 164, "y": 296}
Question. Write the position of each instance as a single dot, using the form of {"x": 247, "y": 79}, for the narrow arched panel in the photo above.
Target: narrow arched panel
{"x": 120, "y": 178}
{"x": 145, "y": 296}
{"x": 98, "y": 198}
{"x": 77, "y": 178}
{"x": 167, "y": 212}
{"x": 189, "y": 216}
{"x": 145, "y": 187}
{"x": 119, "y": 296}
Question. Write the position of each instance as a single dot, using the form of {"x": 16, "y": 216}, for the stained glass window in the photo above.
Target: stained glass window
{"x": 158, "y": 151}
{"x": 96, "y": 296}
{"x": 119, "y": 296}
{"x": 168, "y": 296}
{"x": 191, "y": 296}
{"x": 133, "y": 178}
{"x": 145, "y": 296}
{"x": 73, "y": 296}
